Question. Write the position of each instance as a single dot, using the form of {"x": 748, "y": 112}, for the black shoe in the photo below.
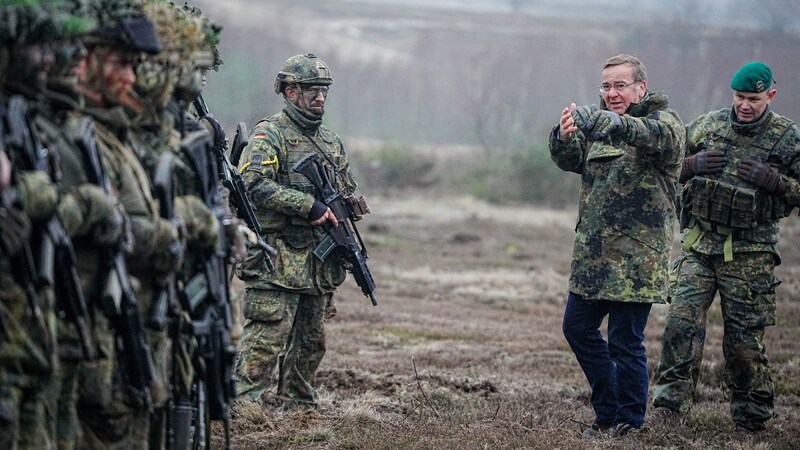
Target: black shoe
{"x": 596, "y": 431}
{"x": 621, "y": 429}
{"x": 750, "y": 427}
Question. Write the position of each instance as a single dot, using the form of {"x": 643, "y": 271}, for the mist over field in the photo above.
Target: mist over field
{"x": 445, "y": 106}
{"x": 495, "y": 77}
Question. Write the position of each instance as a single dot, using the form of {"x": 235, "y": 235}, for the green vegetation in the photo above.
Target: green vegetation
{"x": 520, "y": 175}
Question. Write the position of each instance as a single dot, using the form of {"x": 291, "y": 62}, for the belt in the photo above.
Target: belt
{"x": 701, "y": 226}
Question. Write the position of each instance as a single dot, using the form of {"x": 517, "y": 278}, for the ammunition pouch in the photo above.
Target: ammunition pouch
{"x": 720, "y": 203}
{"x": 772, "y": 208}
{"x": 357, "y": 205}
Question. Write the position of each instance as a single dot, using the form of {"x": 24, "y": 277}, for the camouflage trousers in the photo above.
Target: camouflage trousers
{"x": 746, "y": 287}
{"x": 28, "y": 370}
{"x": 282, "y": 345}
{"x": 27, "y": 414}
{"x": 109, "y": 417}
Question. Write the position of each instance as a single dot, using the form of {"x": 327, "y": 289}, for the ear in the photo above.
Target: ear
{"x": 642, "y": 89}
{"x": 290, "y": 91}
{"x": 771, "y": 94}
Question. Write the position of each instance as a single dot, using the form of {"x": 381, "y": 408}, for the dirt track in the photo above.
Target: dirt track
{"x": 465, "y": 347}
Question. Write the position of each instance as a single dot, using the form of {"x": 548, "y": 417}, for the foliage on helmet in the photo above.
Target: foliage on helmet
{"x": 303, "y": 69}
{"x": 72, "y": 17}
{"x": 180, "y": 35}
{"x": 211, "y": 32}
{"x": 107, "y": 11}
{"x": 121, "y": 23}
{"x": 25, "y": 22}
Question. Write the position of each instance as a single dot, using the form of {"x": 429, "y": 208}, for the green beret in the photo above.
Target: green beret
{"x": 752, "y": 77}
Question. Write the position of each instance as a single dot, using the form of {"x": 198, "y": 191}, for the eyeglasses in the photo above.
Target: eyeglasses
{"x": 605, "y": 87}
{"x": 314, "y": 91}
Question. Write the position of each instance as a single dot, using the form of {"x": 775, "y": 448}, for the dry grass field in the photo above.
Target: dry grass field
{"x": 465, "y": 350}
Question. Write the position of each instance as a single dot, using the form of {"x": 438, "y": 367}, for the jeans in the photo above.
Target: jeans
{"x": 617, "y": 369}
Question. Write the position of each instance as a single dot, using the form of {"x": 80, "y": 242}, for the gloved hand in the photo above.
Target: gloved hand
{"x": 202, "y": 226}
{"x": 169, "y": 245}
{"x": 86, "y": 210}
{"x": 114, "y": 229}
{"x": 16, "y": 228}
{"x": 38, "y": 195}
{"x": 704, "y": 162}
{"x": 238, "y": 235}
{"x": 213, "y": 126}
{"x": 605, "y": 123}
{"x": 760, "y": 175}
{"x": 582, "y": 115}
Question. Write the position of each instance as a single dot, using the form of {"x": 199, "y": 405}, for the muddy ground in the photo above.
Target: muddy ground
{"x": 465, "y": 349}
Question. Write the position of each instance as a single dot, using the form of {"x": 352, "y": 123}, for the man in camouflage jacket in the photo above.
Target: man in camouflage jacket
{"x": 628, "y": 154}
{"x": 28, "y": 353}
{"x": 110, "y": 416}
{"x": 742, "y": 175}
{"x": 286, "y": 309}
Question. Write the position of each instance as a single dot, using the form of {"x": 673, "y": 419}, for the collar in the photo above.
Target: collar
{"x": 752, "y": 128}
{"x": 301, "y": 120}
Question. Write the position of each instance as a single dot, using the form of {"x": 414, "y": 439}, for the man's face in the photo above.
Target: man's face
{"x": 29, "y": 64}
{"x": 749, "y": 106}
{"x": 110, "y": 73}
{"x": 155, "y": 80}
{"x": 190, "y": 82}
{"x": 70, "y": 62}
{"x": 310, "y": 99}
{"x": 620, "y": 89}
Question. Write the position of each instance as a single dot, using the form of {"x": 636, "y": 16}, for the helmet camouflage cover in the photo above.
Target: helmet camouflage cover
{"x": 304, "y": 69}
{"x": 25, "y": 22}
{"x": 211, "y": 32}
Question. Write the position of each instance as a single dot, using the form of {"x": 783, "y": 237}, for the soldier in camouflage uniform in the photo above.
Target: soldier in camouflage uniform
{"x": 628, "y": 154}
{"x": 156, "y": 125}
{"x": 93, "y": 219}
{"x": 742, "y": 175}
{"x": 284, "y": 310}
{"x": 110, "y": 416}
{"x": 28, "y": 355}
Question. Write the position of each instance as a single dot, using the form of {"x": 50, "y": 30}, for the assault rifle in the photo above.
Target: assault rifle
{"x": 3, "y": 330}
{"x": 54, "y": 245}
{"x": 133, "y": 352}
{"x": 208, "y": 297}
{"x": 230, "y": 177}
{"x": 345, "y": 237}
{"x": 179, "y": 418}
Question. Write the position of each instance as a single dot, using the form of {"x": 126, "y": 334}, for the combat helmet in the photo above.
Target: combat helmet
{"x": 304, "y": 69}
{"x": 122, "y": 24}
{"x": 24, "y": 23}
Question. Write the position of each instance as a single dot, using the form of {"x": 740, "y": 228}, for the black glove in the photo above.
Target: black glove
{"x": 16, "y": 228}
{"x": 114, "y": 230}
{"x": 760, "y": 175}
{"x": 582, "y": 116}
{"x": 216, "y": 129}
{"x": 704, "y": 162}
{"x": 606, "y": 123}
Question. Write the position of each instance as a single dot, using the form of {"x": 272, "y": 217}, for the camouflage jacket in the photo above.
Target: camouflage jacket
{"x": 152, "y": 236}
{"x": 57, "y": 123}
{"x": 282, "y": 200}
{"x": 772, "y": 139}
{"x": 627, "y": 204}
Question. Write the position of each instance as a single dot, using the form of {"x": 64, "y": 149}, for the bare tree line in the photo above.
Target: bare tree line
{"x": 495, "y": 81}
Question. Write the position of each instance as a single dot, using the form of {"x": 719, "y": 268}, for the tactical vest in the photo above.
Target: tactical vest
{"x": 295, "y": 145}
{"x": 724, "y": 199}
